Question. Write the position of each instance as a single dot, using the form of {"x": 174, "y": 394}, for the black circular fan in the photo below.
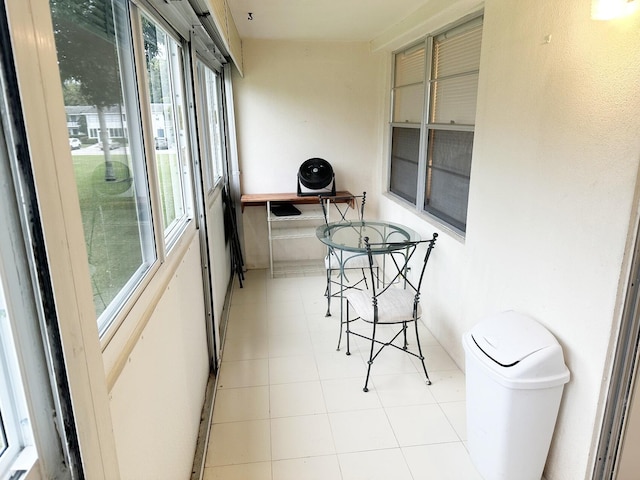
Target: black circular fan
{"x": 315, "y": 173}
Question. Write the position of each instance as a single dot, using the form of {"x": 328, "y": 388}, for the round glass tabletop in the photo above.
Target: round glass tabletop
{"x": 350, "y": 236}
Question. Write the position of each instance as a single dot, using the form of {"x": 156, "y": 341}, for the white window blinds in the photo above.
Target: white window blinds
{"x": 410, "y": 66}
{"x": 409, "y": 85}
{"x": 454, "y": 78}
{"x": 434, "y": 95}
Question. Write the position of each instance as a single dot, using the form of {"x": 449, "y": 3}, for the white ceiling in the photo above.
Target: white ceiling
{"x": 328, "y": 20}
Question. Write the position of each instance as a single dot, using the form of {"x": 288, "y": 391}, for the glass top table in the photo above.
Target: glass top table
{"x": 346, "y": 241}
{"x": 349, "y": 236}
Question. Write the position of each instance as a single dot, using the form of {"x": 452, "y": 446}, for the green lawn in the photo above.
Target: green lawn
{"x": 110, "y": 220}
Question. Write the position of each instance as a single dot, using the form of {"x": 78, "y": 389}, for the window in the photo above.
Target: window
{"x": 38, "y": 436}
{"x": 164, "y": 72}
{"x": 210, "y": 93}
{"x": 116, "y": 132}
{"x": 95, "y": 57}
{"x": 433, "y": 120}
{"x": 15, "y": 426}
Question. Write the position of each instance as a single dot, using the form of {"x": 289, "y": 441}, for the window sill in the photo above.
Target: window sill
{"x": 118, "y": 343}
{"x": 427, "y": 217}
{"x": 23, "y": 465}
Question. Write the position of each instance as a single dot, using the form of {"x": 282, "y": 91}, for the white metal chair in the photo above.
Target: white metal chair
{"x": 396, "y": 303}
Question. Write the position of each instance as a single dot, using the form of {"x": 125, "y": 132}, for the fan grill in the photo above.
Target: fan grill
{"x": 316, "y": 177}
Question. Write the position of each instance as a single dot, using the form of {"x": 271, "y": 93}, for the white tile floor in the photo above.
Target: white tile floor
{"x": 289, "y": 406}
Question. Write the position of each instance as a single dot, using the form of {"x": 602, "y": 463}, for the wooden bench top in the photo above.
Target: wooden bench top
{"x": 258, "y": 199}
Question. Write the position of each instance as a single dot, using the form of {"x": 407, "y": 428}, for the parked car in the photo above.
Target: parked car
{"x": 75, "y": 143}
{"x": 112, "y": 145}
{"x": 161, "y": 143}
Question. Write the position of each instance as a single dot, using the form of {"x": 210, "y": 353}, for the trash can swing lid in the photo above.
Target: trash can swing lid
{"x": 517, "y": 352}
{"x": 511, "y": 337}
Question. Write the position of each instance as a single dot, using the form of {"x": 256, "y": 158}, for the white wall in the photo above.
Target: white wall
{"x": 157, "y": 400}
{"x": 299, "y": 100}
{"x": 552, "y": 193}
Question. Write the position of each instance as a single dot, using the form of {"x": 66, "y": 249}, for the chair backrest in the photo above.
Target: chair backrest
{"x": 343, "y": 208}
{"x": 397, "y": 258}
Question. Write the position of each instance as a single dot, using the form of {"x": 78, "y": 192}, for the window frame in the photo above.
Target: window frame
{"x": 110, "y": 318}
{"x": 166, "y": 238}
{"x": 214, "y": 168}
{"x": 15, "y": 424}
{"x": 45, "y": 427}
{"x": 143, "y": 157}
{"x": 129, "y": 115}
{"x": 426, "y": 126}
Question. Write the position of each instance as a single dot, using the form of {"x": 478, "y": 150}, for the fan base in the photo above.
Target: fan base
{"x": 309, "y": 192}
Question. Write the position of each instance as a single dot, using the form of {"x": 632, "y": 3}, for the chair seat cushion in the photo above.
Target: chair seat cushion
{"x": 394, "y": 305}
{"x": 350, "y": 260}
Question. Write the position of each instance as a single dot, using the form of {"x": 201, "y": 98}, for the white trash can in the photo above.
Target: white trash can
{"x": 515, "y": 374}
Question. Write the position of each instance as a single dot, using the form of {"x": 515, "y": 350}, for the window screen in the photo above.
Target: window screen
{"x": 405, "y": 146}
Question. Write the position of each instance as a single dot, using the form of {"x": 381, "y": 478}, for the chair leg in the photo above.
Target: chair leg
{"x": 341, "y": 324}
{"x": 328, "y": 293}
{"x": 404, "y": 333}
{"x": 370, "y": 362}
{"x": 348, "y": 333}
{"x": 340, "y": 334}
{"x": 421, "y": 357}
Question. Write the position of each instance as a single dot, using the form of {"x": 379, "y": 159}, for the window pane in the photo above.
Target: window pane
{"x": 408, "y": 93}
{"x": 205, "y": 132}
{"x": 448, "y": 172}
{"x": 405, "y": 147}
{"x": 448, "y": 97}
{"x": 454, "y": 85}
{"x": 210, "y": 88}
{"x": 15, "y": 426}
{"x": 214, "y": 93}
{"x": 457, "y": 51}
{"x": 408, "y": 104}
{"x": 455, "y": 99}
{"x": 410, "y": 66}
{"x": 454, "y": 76}
{"x": 164, "y": 71}
{"x": 96, "y": 66}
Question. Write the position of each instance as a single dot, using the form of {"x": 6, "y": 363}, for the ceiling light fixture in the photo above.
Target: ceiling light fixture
{"x": 610, "y": 9}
